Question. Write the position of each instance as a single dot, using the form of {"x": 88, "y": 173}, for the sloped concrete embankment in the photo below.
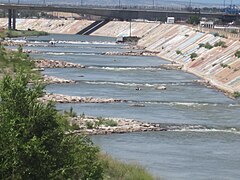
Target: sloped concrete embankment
{"x": 56, "y": 26}
{"x": 218, "y": 65}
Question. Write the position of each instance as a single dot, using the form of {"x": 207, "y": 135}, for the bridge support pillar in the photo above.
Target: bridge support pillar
{"x": 11, "y": 19}
{"x": 14, "y": 19}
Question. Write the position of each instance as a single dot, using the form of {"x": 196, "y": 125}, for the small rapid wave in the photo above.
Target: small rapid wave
{"x": 75, "y": 42}
{"x": 125, "y": 68}
{"x": 87, "y": 42}
{"x": 200, "y": 128}
{"x": 186, "y": 104}
{"x": 132, "y": 84}
{"x": 68, "y": 53}
{"x": 122, "y": 84}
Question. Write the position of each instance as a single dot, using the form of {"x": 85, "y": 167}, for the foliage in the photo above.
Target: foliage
{"x": 220, "y": 43}
{"x": 16, "y": 33}
{"x": 12, "y": 62}
{"x": 178, "y": 52}
{"x": 236, "y": 94}
{"x": 194, "y": 20}
{"x": 70, "y": 113}
{"x": 90, "y": 125}
{"x": 105, "y": 122}
{"x": 208, "y": 46}
{"x": 201, "y": 45}
{"x": 237, "y": 54}
{"x": 234, "y": 31}
{"x": 116, "y": 170}
{"x": 33, "y": 143}
{"x": 193, "y": 55}
{"x": 225, "y": 65}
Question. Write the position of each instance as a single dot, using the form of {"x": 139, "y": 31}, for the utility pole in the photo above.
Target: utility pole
{"x": 190, "y": 3}
{"x": 130, "y": 33}
{"x": 153, "y": 3}
{"x": 119, "y": 3}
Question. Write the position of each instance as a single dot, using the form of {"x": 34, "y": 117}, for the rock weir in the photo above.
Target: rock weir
{"x": 94, "y": 126}
{"x": 60, "y": 98}
{"x": 131, "y": 53}
{"x": 44, "y": 63}
{"x": 56, "y": 80}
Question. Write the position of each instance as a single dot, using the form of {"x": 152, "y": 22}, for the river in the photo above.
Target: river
{"x": 203, "y": 138}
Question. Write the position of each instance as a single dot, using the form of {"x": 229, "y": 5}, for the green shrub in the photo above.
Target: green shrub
{"x": 15, "y": 33}
{"x": 237, "y": 54}
{"x": 33, "y": 143}
{"x": 194, "y": 20}
{"x": 220, "y": 43}
{"x": 224, "y": 65}
{"x": 105, "y": 122}
{"x": 14, "y": 61}
{"x": 201, "y": 45}
{"x": 90, "y": 125}
{"x": 208, "y": 46}
{"x": 178, "y": 52}
{"x": 117, "y": 170}
{"x": 236, "y": 94}
{"x": 193, "y": 55}
{"x": 234, "y": 31}
{"x": 70, "y": 113}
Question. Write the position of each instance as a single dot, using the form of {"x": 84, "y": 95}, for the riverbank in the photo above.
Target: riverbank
{"x": 21, "y": 33}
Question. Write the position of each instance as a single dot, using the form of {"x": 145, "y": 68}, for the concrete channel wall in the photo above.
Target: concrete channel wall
{"x": 56, "y": 26}
{"x": 177, "y": 43}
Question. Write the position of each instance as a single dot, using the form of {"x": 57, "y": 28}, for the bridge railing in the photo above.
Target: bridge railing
{"x": 127, "y": 7}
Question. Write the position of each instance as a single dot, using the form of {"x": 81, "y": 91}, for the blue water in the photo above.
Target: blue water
{"x": 184, "y": 153}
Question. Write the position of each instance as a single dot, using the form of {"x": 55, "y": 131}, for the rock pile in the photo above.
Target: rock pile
{"x": 131, "y": 53}
{"x": 44, "y": 63}
{"x": 56, "y": 80}
{"x": 81, "y": 125}
{"x": 60, "y": 98}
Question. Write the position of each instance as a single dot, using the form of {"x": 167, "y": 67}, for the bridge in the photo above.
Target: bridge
{"x": 122, "y": 13}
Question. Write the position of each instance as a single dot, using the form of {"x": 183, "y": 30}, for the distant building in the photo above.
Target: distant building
{"x": 207, "y": 24}
{"x": 170, "y": 20}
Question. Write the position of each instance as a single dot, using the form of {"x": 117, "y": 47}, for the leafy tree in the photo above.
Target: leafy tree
{"x": 33, "y": 144}
{"x": 194, "y": 20}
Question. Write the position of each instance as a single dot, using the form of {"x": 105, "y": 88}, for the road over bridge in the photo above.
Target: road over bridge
{"x": 111, "y": 12}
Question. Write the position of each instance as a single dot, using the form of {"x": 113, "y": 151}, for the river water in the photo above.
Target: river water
{"x": 203, "y": 137}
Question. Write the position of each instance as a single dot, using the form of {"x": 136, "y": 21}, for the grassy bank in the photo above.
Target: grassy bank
{"x": 13, "y": 61}
{"x": 114, "y": 169}
{"x": 21, "y": 33}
